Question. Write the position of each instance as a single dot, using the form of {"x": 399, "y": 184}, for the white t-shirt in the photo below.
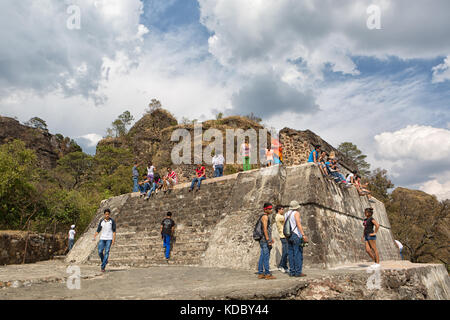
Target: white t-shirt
{"x": 349, "y": 177}
{"x": 72, "y": 234}
{"x": 399, "y": 244}
{"x": 291, "y": 216}
{"x": 150, "y": 170}
{"x": 107, "y": 230}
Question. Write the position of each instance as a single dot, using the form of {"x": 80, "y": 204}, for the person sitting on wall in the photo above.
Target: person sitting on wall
{"x": 334, "y": 171}
{"x": 156, "y": 185}
{"x": 144, "y": 185}
{"x": 351, "y": 177}
{"x": 200, "y": 176}
{"x": 170, "y": 180}
{"x": 362, "y": 188}
{"x": 322, "y": 164}
{"x": 314, "y": 155}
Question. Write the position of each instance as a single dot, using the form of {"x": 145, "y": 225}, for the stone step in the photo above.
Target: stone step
{"x": 181, "y": 238}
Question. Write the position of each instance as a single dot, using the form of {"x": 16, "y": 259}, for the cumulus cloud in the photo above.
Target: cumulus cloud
{"x": 250, "y": 34}
{"x": 418, "y": 155}
{"x": 440, "y": 190}
{"x": 441, "y": 72}
{"x": 44, "y": 55}
{"x": 415, "y": 143}
{"x": 266, "y": 95}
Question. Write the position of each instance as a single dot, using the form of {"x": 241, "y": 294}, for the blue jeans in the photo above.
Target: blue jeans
{"x": 135, "y": 184}
{"x": 144, "y": 188}
{"x": 295, "y": 255}
{"x": 104, "y": 245}
{"x": 166, "y": 244}
{"x": 218, "y": 172}
{"x": 284, "y": 254}
{"x": 199, "y": 180}
{"x": 71, "y": 242}
{"x": 153, "y": 188}
{"x": 263, "y": 264}
{"x": 401, "y": 253}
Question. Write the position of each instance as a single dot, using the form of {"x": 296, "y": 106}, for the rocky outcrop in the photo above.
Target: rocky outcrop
{"x": 49, "y": 148}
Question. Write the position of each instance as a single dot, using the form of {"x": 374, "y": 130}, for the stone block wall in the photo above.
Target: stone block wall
{"x": 40, "y": 247}
{"x": 215, "y": 226}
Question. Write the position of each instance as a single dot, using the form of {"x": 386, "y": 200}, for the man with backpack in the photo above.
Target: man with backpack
{"x": 167, "y": 231}
{"x": 265, "y": 242}
{"x": 293, "y": 231}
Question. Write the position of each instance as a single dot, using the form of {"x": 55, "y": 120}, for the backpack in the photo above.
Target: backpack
{"x": 257, "y": 231}
{"x": 287, "y": 231}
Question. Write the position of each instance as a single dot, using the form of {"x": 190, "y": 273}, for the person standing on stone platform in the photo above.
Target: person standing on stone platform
{"x": 370, "y": 236}
{"x": 167, "y": 232}
{"x": 71, "y": 236}
{"x": 108, "y": 237}
{"x": 135, "y": 176}
{"x": 279, "y": 219}
{"x": 245, "y": 149}
{"x": 265, "y": 243}
{"x": 295, "y": 248}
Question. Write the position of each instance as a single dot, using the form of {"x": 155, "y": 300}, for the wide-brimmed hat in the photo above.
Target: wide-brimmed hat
{"x": 293, "y": 205}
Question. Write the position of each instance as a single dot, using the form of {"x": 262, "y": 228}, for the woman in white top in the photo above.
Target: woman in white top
{"x": 150, "y": 171}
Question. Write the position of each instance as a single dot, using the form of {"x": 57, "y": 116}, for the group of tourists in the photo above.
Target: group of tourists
{"x": 152, "y": 182}
{"x": 293, "y": 239}
{"x": 330, "y": 168}
{"x": 291, "y": 234}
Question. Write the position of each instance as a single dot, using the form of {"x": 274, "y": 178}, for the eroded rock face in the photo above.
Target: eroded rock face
{"x": 48, "y": 147}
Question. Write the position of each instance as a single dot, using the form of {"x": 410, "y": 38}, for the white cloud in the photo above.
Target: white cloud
{"x": 440, "y": 190}
{"x": 92, "y": 139}
{"x": 43, "y": 55}
{"x": 414, "y": 142}
{"x": 441, "y": 72}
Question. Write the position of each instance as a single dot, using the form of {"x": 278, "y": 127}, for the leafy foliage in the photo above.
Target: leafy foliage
{"x": 37, "y": 123}
{"x": 351, "y": 151}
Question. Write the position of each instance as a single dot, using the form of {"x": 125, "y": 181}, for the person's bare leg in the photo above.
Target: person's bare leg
{"x": 369, "y": 251}
{"x": 373, "y": 245}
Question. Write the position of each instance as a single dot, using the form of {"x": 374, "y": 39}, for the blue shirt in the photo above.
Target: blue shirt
{"x": 135, "y": 172}
{"x": 311, "y": 157}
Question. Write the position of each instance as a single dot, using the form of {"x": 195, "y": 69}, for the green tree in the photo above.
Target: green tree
{"x": 18, "y": 195}
{"x": 379, "y": 184}
{"x": 38, "y": 123}
{"x": 119, "y": 126}
{"x": 109, "y": 158}
{"x": 351, "y": 151}
{"x": 154, "y": 105}
{"x": 78, "y": 165}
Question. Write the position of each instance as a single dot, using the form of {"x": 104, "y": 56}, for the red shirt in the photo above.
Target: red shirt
{"x": 200, "y": 171}
{"x": 174, "y": 176}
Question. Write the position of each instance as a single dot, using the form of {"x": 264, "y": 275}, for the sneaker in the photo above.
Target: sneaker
{"x": 282, "y": 270}
{"x": 269, "y": 277}
{"x": 103, "y": 270}
{"x": 261, "y": 276}
{"x": 301, "y": 275}
{"x": 190, "y": 189}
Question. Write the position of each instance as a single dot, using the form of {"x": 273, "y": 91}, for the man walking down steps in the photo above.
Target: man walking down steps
{"x": 108, "y": 228}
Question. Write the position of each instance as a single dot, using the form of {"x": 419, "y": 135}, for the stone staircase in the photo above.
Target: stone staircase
{"x": 138, "y": 237}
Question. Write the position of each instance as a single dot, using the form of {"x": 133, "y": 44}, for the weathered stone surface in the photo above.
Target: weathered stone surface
{"x": 40, "y": 246}
{"x": 400, "y": 280}
{"x": 215, "y": 225}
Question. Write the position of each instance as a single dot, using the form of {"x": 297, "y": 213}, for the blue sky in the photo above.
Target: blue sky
{"x": 299, "y": 64}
